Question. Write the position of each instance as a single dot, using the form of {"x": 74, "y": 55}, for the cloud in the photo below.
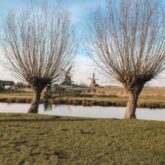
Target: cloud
{"x": 80, "y": 12}
{"x": 84, "y": 68}
{"x": 5, "y": 74}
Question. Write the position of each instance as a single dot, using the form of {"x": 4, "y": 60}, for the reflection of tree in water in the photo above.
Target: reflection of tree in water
{"x": 47, "y": 105}
{"x": 47, "y": 96}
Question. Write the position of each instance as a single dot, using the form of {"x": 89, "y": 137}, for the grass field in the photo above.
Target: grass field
{"x": 114, "y": 96}
{"x": 37, "y": 139}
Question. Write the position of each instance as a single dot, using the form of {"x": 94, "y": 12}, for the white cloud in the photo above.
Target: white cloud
{"x": 80, "y": 10}
{"x": 84, "y": 68}
{"x": 4, "y": 73}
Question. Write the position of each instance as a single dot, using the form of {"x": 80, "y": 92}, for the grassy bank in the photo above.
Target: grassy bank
{"x": 150, "y": 97}
{"x": 148, "y": 102}
{"x": 145, "y": 102}
{"x": 37, "y": 139}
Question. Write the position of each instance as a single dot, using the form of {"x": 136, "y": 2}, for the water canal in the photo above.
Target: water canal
{"x": 85, "y": 111}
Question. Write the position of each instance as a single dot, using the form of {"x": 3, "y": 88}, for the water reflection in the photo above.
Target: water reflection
{"x": 104, "y": 112}
{"x": 47, "y": 106}
{"x": 81, "y": 111}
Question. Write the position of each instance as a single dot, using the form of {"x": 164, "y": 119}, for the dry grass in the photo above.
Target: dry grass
{"x": 38, "y": 139}
{"x": 114, "y": 96}
{"x": 147, "y": 91}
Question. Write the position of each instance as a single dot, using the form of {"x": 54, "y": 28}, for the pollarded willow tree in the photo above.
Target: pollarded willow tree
{"x": 38, "y": 45}
{"x": 127, "y": 41}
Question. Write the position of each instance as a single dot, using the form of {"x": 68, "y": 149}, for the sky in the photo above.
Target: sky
{"x": 80, "y": 15}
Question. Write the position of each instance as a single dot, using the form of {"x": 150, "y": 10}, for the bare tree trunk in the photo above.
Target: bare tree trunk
{"x": 35, "y": 103}
{"x": 131, "y": 105}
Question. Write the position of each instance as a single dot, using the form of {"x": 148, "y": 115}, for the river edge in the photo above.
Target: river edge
{"x": 84, "y": 101}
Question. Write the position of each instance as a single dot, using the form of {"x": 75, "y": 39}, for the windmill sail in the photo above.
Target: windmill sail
{"x": 93, "y": 81}
{"x": 67, "y": 80}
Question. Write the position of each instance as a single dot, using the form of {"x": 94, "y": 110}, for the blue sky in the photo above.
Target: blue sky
{"x": 80, "y": 14}
{"x": 80, "y": 11}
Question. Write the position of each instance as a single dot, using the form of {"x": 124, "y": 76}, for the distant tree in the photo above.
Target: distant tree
{"x": 38, "y": 45}
{"x": 127, "y": 41}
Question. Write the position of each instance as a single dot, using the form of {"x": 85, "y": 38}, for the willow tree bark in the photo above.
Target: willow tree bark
{"x": 130, "y": 112}
{"x": 35, "y": 103}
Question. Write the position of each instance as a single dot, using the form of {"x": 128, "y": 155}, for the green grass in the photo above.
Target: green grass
{"x": 42, "y": 140}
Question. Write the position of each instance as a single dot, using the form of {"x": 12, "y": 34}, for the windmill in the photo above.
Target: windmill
{"x": 93, "y": 81}
{"x": 67, "y": 80}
